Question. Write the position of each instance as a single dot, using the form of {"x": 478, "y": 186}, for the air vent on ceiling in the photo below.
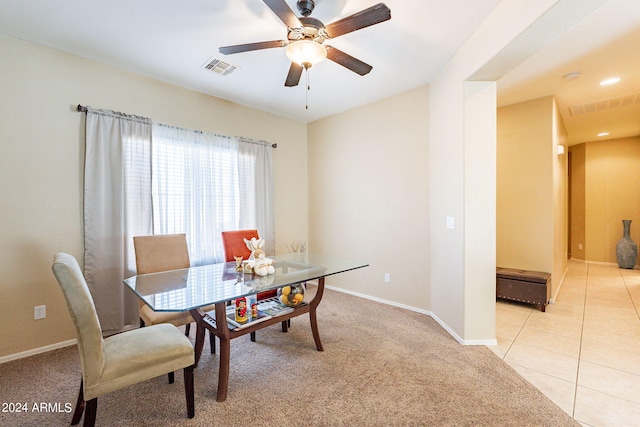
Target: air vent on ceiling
{"x": 605, "y": 104}
{"x": 218, "y": 66}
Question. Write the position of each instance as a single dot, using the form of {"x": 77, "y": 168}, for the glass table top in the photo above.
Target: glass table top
{"x": 188, "y": 288}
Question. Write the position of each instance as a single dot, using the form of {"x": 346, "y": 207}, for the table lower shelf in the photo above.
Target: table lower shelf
{"x": 210, "y": 320}
{"x": 218, "y": 326}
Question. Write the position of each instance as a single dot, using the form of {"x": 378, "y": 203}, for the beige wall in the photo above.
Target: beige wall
{"x": 368, "y": 173}
{"x": 479, "y": 211}
{"x": 577, "y": 202}
{"x": 612, "y": 193}
{"x": 41, "y": 152}
{"x": 524, "y": 182}
{"x": 532, "y": 185}
{"x": 560, "y": 165}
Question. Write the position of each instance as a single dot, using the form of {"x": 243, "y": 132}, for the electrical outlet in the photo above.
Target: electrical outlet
{"x": 387, "y": 277}
{"x": 451, "y": 223}
{"x": 39, "y": 312}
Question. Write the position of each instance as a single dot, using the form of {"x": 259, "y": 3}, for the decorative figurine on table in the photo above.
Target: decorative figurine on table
{"x": 258, "y": 261}
{"x": 299, "y": 248}
{"x": 241, "y": 310}
{"x": 238, "y": 263}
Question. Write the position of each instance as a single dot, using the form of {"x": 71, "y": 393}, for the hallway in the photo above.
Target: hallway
{"x": 584, "y": 351}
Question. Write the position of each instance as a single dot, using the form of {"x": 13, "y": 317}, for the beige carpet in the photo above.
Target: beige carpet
{"x": 382, "y": 366}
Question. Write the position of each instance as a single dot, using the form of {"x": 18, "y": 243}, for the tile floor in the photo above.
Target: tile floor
{"x": 584, "y": 351}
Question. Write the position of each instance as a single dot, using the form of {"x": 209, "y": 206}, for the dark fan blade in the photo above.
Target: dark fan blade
{"x": 293, "y": 78}
{"x": 227, "y": 50}
{"x": 348, "y": 61}
{"x": 284, "y": 12}
{"x": 364, "y": 18}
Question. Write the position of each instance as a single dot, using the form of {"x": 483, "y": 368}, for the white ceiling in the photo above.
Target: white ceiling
{"x": 170, "y": 40}
{"x": 604, "y": 45}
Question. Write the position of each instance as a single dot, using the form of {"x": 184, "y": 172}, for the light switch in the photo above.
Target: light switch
{"x": 451, "y": 223}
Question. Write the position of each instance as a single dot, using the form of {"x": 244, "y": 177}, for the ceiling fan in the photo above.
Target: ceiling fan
{"x": 306, "y": 36}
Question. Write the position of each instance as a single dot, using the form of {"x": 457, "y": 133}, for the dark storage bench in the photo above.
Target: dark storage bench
{"x": 532, "y": 287}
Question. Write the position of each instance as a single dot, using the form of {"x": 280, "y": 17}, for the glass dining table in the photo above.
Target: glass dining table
{"x": 191, "y": 289}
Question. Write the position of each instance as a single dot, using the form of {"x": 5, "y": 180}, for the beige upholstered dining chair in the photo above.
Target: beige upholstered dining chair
{"x": 164, "y": 252}
{"x": 121, "y": 360}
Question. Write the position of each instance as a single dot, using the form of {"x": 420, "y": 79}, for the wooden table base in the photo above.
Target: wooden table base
{"x": 219, "y": 328}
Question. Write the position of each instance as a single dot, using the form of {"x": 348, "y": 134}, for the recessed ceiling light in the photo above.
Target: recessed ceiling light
{"x": 610, "y": 81}
{"x": 571, "y": 76}
{"x": 603, "y": 134}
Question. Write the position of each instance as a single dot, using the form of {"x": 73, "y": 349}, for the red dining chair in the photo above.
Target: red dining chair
{"x": 234, "y": 246}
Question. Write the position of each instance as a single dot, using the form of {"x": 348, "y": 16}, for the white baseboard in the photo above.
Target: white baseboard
{"x": 44, "y": 349}
{"x": 552, "y": 300}
{"x": 612, "y": 264}
{"x": 39, "y": 350}
{"x": 418, "y": 310}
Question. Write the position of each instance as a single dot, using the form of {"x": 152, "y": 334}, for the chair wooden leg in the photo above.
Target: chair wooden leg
{"x": 212, "y": 342}
{"x": 188, "y": 391}
{"x": 187, "y": 329}
{"x": 77, "y": 414}
{"x": 90, "y": 413}
{"x": 171, "y": 377}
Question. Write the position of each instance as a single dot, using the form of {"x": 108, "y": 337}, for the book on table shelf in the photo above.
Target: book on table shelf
{"x": 231, "y": 319}
{"x": 275, "y": 308}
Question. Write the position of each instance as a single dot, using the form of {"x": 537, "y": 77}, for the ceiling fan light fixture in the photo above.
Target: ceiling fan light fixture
{"x": 306, "y": 53}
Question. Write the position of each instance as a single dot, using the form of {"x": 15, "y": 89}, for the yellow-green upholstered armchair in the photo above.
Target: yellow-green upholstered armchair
{"x": 121, "y": 360}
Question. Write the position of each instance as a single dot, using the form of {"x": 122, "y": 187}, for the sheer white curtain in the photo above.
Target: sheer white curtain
{"x": 117, "y": 206}
{"x": 256, "y": 190}
{"x": 205, "y": 183}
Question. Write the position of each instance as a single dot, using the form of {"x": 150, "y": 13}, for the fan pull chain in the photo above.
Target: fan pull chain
{"x": 306, "y": 99}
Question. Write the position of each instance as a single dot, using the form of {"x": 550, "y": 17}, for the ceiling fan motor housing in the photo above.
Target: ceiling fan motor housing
{"x": 312, "y": 29}
{"x": 305, "y": 7}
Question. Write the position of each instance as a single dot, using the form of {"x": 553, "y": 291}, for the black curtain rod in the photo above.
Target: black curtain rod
{"x": 83, "y": 109}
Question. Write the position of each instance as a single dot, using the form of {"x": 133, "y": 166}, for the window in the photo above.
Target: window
{"x": 203, "y": 184}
